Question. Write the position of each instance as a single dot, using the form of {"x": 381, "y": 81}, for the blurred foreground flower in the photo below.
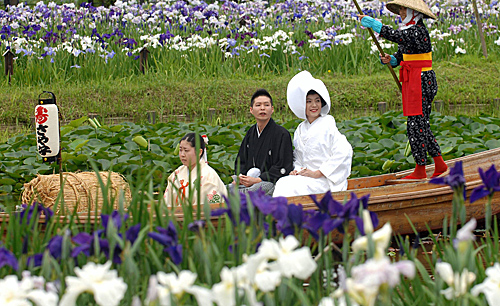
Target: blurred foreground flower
{"x": 381, "y": 239}
{"x": 7, "y": 258}
{"x": 490, "y": 285}
{"x": 108, "y": 289}
{"x": 289, "y": 261}
{"x": 458, "y": 282}
{"x": 24, "y": 292}
{"x": 162, "y": 285}
{"x": 465, "y": 235}
{"x": 368, "y": 279}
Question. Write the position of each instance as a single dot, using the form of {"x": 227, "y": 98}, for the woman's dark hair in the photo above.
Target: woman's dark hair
{"x": 190, "y": 137}
{"x": 313, "y": 92}
{"x": 259, "y": 93}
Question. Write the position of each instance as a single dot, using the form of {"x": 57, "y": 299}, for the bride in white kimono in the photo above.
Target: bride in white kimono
{"x": 322, "y": 155}
{"x": 180, "y": 182}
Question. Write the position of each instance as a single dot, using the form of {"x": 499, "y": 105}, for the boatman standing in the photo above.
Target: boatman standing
{"x": 266, "y": 152}
{"x": 418, "y": 80}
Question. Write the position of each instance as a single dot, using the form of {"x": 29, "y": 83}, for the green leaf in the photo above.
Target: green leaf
{"x": 387, "y": 143}
{"x": 362, "y": 170}
{"x": 7, "y": 181}
{"x": 78, "y": 144}
{"x": 446, "y": 150}
{"x": 131, "y": 146}
{"x": 30, "y": 161}
{"x": 116, "y": 128}
{"x": 104, "y": 163}
{"x": 77, "y": 122}
{"x": 82, "y": 157}
{"x": 13, "y": 154}
{"x": 492, "y": 143}
{"x": 66, "y": 129}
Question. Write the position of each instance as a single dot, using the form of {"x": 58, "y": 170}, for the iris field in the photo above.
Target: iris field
{"x": 262, "y": 251}
{"x": 79, "y": 42}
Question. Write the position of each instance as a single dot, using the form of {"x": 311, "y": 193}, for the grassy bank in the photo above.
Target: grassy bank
{"x": 462, "y": 81}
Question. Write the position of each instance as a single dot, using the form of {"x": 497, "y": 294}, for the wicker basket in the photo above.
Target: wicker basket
{"x": 82, "y": 190}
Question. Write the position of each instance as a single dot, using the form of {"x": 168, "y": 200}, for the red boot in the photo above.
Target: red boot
{"x": 439, "y": 166}
{"x": 418, "y": 174}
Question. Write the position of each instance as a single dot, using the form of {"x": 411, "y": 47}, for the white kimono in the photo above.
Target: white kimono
{"x": 178, "y": 188}
{"x": 318, "y": 146}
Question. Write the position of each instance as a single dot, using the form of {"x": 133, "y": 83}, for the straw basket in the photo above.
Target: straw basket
{"x": 82, "y": 190}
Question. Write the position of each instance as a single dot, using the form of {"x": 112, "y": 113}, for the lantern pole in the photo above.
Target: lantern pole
{"x": 48, "y": 135}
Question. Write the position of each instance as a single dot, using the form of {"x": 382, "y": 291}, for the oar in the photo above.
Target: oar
{"x": 380, "y": 48}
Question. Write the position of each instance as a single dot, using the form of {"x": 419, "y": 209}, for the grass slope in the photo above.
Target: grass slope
{"x": 464, "y": 80}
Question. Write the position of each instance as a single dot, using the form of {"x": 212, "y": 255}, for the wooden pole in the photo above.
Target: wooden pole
{"x": 480, "y": 29}
{"x": 143, "y": 59}
{"x": 9, "y": 64}
{"x": 380, "y": 49}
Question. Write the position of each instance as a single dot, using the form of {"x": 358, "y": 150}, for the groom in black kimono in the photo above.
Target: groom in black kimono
{"x": 266, "y": 152}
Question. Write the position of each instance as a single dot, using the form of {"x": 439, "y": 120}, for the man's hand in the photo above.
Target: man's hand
{"x": 248, "y": 181}
{"x": 310, "y": 173}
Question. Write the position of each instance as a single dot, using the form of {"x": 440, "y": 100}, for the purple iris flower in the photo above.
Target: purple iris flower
{"x": 455, "y": 179}
{"x": 86, "y": 244}
{"x": 293, "y": 220}
{"x": 168, "y": 238}
{"x": 133, "y": 232}
{"x": 129, "y": 43}
{"x": 35, "y": 260}
{"x": 325, "y": 44}
{"x": 7, "y": 258}
{"x": 231, "y": 42}
{"x": 333, "y": 214}
{"x": 244, "y": 215}
{"x": 491, "y": 183}
{"x": 195, "y": 226}
{"x": 55, "y": 246}
{"x": 39, "y": 209}
{"x": 55, "y": 249}
{"x": 164, "y": 37}
{"x": 105, "y": 247}
{"x": 115, "y": 217}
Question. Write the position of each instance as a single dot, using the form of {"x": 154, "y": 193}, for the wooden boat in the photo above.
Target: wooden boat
{"x": 394, "y": 200}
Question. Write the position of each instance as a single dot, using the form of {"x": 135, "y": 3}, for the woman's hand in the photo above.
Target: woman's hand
{"x": 360, "y": 16}
{"x": 385, "y": 59}
{"x": 310, "y": 173}
{"x": 294, "y": 172}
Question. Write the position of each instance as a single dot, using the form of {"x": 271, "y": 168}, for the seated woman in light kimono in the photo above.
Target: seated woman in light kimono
{"x": 322, "y": 155}
{"x": 183, "y": 181}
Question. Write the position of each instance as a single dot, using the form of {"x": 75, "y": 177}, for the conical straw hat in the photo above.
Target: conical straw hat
{"x": 416, "y": 5}
{"x": 297, "y": 89}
